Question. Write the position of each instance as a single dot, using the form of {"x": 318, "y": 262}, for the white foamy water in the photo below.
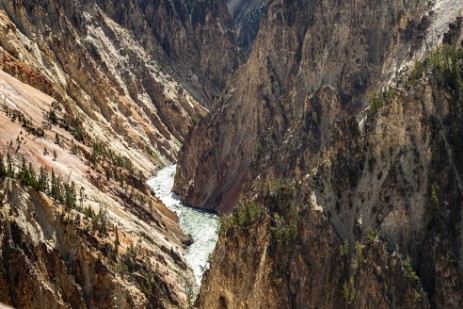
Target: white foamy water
{"x": 201, "y": 225}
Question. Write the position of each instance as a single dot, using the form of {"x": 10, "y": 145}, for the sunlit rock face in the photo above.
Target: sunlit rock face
{"x": 100, "y": 94}
{"x": 132, "y": 74}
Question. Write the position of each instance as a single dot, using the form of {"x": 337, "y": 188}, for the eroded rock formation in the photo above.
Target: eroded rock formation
{"x": 98, "y": 95}
{"x": 325, "y": 108}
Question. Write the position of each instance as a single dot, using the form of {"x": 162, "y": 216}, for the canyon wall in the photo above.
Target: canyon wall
{"x": 95, "y": 97}
{"x": 135, "y": 74}
{"x": 331, "y": 108}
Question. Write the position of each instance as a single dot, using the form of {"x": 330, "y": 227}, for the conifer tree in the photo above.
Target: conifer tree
{"x": 42, "y": 182}
{"x": 2, "y": 167}
{"x": 9, "y": 166}
{"x": 54, "y": 190}
{"x": 81, "y": 198}
{"x": 32, "y": 175}
{"x": 70, "y": 195}
{"x": 117, "y": 242}
{"x": 57, "y": 139}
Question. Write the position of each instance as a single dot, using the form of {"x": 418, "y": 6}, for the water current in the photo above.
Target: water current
{"x": 203, "y": 226}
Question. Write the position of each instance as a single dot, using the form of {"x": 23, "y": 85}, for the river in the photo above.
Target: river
{"x": 201, "y": 225}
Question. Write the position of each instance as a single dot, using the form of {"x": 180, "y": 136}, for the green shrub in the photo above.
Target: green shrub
{"x": 344, "y": 249}
{"x": 284, "y": 228}
{"x": 409, "y": 272}
{"x": 244, "y": 215}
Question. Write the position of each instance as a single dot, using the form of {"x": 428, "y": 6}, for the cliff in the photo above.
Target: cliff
{"x": 135, "y": 78}
{"x": 331, "y": 108}
{"x": 384, "y": 236}
{"x": 95, "y": 97}
{"x": 79, "y": 227}
{"x": 303, "y": 48}
{"x": 246, "y": 17}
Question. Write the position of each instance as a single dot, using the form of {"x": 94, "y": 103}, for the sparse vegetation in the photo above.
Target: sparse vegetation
{"x": 358, "y": 253}
{"x": 344, "y": 249}
{"x": 445, "y": 66}
{"x": 244, "y": 215}
{"x": 14, "y": 115}
{"x": 348, "y": 290}
{"x": 378, "y": 99}
{"x": 409, "y": 272}
{"x": 285, "y": 214}
{"x": 117, "y": 242}
{"x": 371, "y": 234}
{"x": 417, "y": 297}
{"x": 284, "y": 229}
{"x": 190, "y": 294}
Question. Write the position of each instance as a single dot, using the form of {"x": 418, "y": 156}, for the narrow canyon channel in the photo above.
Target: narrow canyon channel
{"x": 201, "y": 225}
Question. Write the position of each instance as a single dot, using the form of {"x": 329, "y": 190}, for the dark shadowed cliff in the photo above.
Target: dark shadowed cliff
{"x": 337, "y": 157}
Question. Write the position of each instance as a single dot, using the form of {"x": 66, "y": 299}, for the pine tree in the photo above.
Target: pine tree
{"x": 52, "y": 117}
{"x": 81, "y": 198}
{"x": 115, "y": 175}
{"x": 103, "y": 222}
{"x": 42, "y": 182}
{"x": 32, "y": 175}
{"x": 117, "y": 243}
{"x": 108, "y": 173}
{"x": 54, "y": 190}
{"x": 57, "y": 139}
{"x": 22, "y": 174}
{"x": 9, "y": 166}
{"x": 60, "y": 189}
{"x": 70, "y": 195}
{"x": 55, "y": 155}
{"x": 2, "y": 167}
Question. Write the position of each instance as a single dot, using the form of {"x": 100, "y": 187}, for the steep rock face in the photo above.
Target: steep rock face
{"x": 246, "y": 17}
{"x": 130, "y": 78}
{"x": 303, "y": 47}
{"x": 252, "y": 270}
{"x": 50, "y": 259}
{"x": 119, "y": 86}
{"x": 79, "y": 226}
{"x": 299, "y": 114}
{"x": 203, "y": 44}
{"x": 402, "y": 208}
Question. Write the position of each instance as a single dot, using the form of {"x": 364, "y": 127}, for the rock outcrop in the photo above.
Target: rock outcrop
{"x": 251, "y": 269}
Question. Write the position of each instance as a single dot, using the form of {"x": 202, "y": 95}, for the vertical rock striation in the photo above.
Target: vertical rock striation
{"x": 326, "y": 106}
{"x": 308, "y": 53}
{"x": 132, "y": 74}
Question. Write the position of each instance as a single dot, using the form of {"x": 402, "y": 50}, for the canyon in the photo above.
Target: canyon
{"x": 98, "y": 98}
{"x": 325, "y": 134}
